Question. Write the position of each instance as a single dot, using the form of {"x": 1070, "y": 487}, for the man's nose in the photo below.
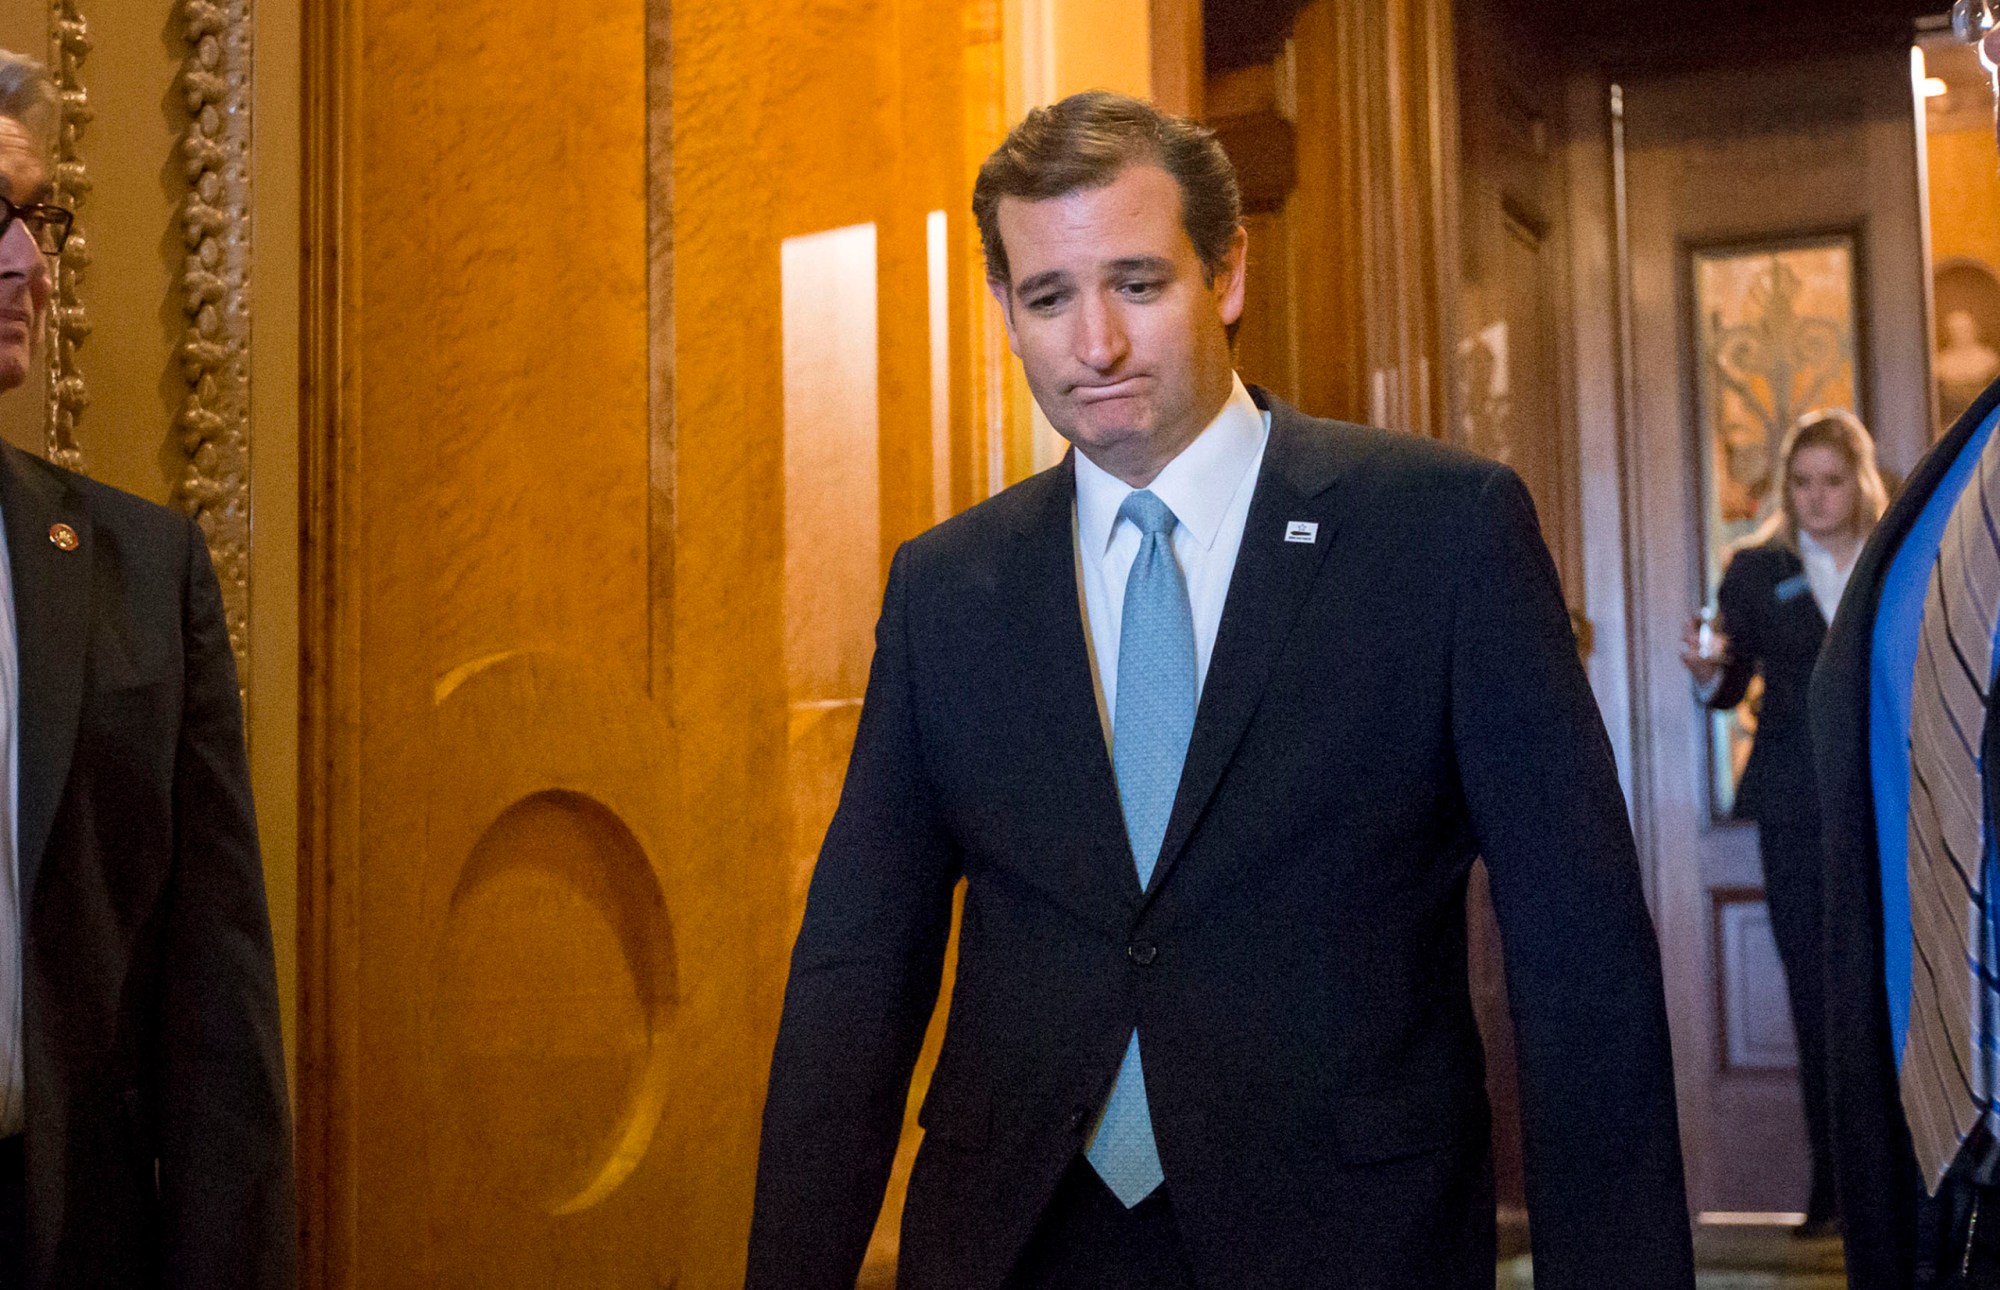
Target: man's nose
{"x": 1100, "y": 342}
{"x": 19, "y": 256}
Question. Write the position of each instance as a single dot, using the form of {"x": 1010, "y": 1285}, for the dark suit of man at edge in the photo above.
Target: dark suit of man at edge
{"x": 1211, "y": 1025}
{"x": 143, "y": 1126}
{"x": 1908, "y": 755}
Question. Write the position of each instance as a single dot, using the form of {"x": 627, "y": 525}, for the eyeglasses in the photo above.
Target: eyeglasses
{"x": 48, "y": 225}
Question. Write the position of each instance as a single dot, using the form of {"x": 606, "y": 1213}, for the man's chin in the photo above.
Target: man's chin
{"x": 1106, "y": 427}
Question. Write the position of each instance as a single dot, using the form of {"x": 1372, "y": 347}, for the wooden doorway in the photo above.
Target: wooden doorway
{"x": 1753, "y": 158}
{"x": 633, "y": 355}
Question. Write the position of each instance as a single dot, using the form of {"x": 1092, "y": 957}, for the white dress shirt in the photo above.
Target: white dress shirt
{"x": 1824, "y": 574}
{"x": 1208, "y": 488}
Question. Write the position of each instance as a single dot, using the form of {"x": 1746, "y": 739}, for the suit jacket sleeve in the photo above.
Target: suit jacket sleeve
{"x": 864, "y": 982}
{"x": 225, "y": 1143}
{"x": 1607, "y": 1202}
{"x": 1874, "y": 1164}
{"x": 1737, "y": 600}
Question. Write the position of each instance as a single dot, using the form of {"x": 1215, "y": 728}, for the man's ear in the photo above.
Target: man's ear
{"x": 1230, "y": 277}
{"x": 41, "y": 287}
{"x": 1003, "y": 295}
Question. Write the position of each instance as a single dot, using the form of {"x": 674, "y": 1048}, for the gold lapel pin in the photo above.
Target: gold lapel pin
{"x": 63, "y": 536}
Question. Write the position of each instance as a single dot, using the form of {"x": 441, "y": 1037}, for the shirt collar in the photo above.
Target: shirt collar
{"x": 1811, "y": 549}
{"x": 1197, "y": 485}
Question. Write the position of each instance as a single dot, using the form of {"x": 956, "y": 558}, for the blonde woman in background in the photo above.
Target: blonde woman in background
{"x": 1778, "y": 594}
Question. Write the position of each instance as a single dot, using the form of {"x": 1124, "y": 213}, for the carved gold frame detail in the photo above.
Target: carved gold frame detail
{"x": 213, "y": 425}
{"x": 68, "y": 324}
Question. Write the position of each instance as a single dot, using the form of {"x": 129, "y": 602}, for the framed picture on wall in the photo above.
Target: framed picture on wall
{"x": 1775, "y": 332}
{"x": 1966, "y": 297}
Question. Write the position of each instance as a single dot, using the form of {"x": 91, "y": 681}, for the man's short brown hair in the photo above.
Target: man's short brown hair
{"x": 1084, "y": 142}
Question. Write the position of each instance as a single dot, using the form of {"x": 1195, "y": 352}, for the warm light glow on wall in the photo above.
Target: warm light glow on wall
{"x": 938, "y": 263}
{"x": 832, "y": 472}
{"x": 833, "y": 512}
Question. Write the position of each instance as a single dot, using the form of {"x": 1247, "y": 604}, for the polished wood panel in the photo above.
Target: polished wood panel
{"x": 1267, "y": 339}
{"x": 1370, "y": 90}
{"x": 1510, "y": 405}
{"x": 477, "y": 947}
{"x": 1756, "y": 1048}
{"x": 1178, "y": 74}
{"x": 602, "y": 485}
{"x": 1756, "y": 1016}
{"x": 833, "y": 529}
{"x": 1964, "y": 194}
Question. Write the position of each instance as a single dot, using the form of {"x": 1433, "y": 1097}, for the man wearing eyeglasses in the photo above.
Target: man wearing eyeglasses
{"x": 1904, "y": 726}
{"x": 143, "y": 1118}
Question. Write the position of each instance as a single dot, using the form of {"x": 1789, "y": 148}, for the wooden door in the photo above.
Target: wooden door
{"x": 1509, "y": 397}
{"x": 1743, "y": 157}
{"x": 640, "y": 339}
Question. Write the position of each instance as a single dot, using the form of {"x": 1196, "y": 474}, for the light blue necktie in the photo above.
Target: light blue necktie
{"x": 1149, "y": 740}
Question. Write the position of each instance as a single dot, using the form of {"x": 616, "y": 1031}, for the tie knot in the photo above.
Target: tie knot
{"x": 1147, "y": 513}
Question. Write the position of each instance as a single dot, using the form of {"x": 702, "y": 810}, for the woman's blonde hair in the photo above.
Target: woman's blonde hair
{"x": 1842, "y": 431}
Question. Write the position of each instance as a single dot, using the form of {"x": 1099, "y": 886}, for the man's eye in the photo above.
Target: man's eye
{"x": 1045, "y": 303}
{"x": 1140, "y": 290}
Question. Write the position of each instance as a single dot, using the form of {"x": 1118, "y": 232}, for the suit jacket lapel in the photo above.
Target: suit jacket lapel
{"x": 1060, "y": 703}
{"x": 51, "y": 626}
{"x": 1840, "y": 725}
{"x": 1850, "y": 646}
{"x": 1799, "y": 601}
{"x": 1268, "y": 586}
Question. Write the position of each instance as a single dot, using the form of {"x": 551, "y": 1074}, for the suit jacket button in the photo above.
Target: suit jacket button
{"x": 1142, "y": 952}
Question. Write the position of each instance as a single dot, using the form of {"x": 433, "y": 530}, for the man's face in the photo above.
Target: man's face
{"x": 24, "y": 274}
{"x": 1121, "y": 333}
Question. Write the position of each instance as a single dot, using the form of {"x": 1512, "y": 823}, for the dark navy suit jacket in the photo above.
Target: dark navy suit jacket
{"x": 1775, "y": 627}
{"x": 158, "y": 1143}
{"x": 1384, "y": 704}
{"x": 1876, "y": 1163}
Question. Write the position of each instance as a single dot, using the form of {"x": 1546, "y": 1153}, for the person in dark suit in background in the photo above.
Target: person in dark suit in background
{"x": 1211, "y": 1025}
{"x": 144, "y": 1137}
{"x": 1779, "y": 592}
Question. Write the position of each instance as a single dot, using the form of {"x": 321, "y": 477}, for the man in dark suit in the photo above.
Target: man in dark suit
{"x": 143, "y": 1120}
{"x": 1211, "y": 1025}
{"x": 1908, "y": 755}
{"x": 1903, "y": 1227}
